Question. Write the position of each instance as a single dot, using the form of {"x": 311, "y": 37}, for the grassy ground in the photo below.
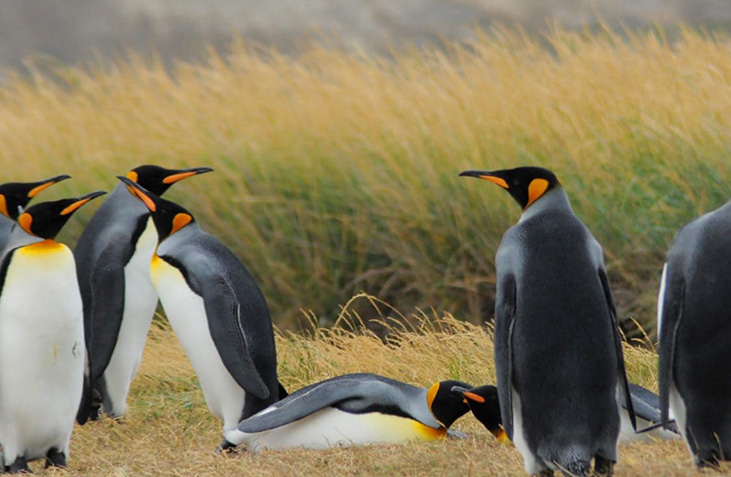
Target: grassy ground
{"x": 169, "y": 431}
{"x": 338, "y": 173}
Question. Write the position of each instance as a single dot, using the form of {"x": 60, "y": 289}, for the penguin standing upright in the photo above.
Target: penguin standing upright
{"x": 217, "y": 311}
{"x": 694, "y": 329}
{"x": 113, "y": 258}
{"x": 558, "y": 353}
{"x": 353, "y": 409}
{"x": 41, "y": 338}
{"x": 14, "y": 196}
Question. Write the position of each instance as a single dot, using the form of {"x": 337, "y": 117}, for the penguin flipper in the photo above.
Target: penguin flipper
{"x": 604, "y": 279}
{"x": 646, "y": 404}
{"x": 504, "y": 324}
{"x": 107, "y": 307}
{"x": 224, "y": 322}
{"x": 672, "y": 313}
{"x": 352, "y": 392}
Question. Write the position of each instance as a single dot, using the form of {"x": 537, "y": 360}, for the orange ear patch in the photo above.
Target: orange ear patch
{"x": 432, "y": 394}
{"x": 536, "y": 189}
{"x": 25, "y": 220}
{"x": 3, "y": 206}
{"x": 171, "y": 179}
{"x": 496, "y": 180}
{"x": 131, "y": 175}
{"x": 179, "y": 221}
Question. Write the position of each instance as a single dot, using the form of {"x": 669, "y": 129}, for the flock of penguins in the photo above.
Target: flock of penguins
{"x": 73, "y": 327}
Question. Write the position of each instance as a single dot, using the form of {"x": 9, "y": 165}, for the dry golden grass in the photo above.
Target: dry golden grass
{"x": 338, "y": 173}
{"x": 169, "y": 431}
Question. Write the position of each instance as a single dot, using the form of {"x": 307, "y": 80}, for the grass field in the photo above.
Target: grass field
{"x": 169, "y": 431}
{"x": 337, "y": 173}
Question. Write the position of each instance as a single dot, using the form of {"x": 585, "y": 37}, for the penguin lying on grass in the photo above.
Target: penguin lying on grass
{"x": 353, "y": 409}
{"x": 217, "y": 311}
{"x": 558, "y": 352}
{"x": 694, "y": 327}
{"x": 41, "y": 338}
{"x": 14, "y": 196}
{"x": 485, "y": 406}
{"x": 113, "y": 266}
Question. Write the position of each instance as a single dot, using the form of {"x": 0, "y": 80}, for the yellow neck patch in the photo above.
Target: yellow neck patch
{"x": 3, "y": 206}
{"x": 536, "y": 189}
{"x": 429, "y": 433}
{"x": 45, "y": 246}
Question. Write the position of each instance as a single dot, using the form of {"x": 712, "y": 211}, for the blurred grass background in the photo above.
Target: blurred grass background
{"x": 337, "y": 173}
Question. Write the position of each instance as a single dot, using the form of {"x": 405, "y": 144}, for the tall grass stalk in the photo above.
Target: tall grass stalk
{"x": 337, "y": 173}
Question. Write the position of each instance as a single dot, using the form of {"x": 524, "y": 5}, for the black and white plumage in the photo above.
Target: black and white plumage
{"x": 353, "y": 409}
{"x": 113, "y": 257}
{"x": 41, "y": 338}
{"x": 694, "y": 329}
{"x": 217, "y": 311}
{"x": 558, "y": 354}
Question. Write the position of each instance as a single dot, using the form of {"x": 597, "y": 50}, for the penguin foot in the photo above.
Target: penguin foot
{"x": 578, "y": 468}
{"x": 20, "y": 466}
{"x": 603, "y": 467}
{"x": 225, "y": 447}
{"x": 55, "y": 458}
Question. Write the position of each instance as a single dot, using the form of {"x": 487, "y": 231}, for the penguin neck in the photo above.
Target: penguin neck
{"x": 555, "y": 199}
{"x": 20, "y": 238}
{"x": 177, "y": 238}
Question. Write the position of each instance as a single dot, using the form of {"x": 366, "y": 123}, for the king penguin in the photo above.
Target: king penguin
{"x": 113, "y": 258}
{"x": 217, "y": 311}
{"x": 558, "y": 354}
{"x": 41, "y": 338}
{"x": 353, "y": 409}
{"x": 14, "y": 196}
{"x": 694, "y": 329}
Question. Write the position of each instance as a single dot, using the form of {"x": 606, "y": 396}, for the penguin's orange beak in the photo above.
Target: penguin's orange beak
{"x": 487, "y": 176}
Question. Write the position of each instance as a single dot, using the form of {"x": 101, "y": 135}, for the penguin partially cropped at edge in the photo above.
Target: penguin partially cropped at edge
{"x": 14, "y": 196}
{"x": 353, "y": 409}
{"x": 485, "y": 406}
{"x": 217, "y": 311}
{"x": 113, "y": 258}
{"x": 694, "y": 329}
{"x": 41, "y": 338}
{"x": 558, "y": 352}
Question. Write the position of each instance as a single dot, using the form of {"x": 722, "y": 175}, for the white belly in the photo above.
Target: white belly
{"x": 140, "y": 300}
{"x": 41, "y": 351}
{"x": 530, "y": 460}
{"x": 677, "y": 408}
{"x": 187, "y": 315}
{"x": 331, "y": 427}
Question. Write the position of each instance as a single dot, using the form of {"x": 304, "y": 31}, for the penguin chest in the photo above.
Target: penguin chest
{"x": 187, "y": 315}
{"x": 41, "y": 348}
{"x": 331, "y": 427}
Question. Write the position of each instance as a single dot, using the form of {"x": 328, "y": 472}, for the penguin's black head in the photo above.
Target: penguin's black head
{"x": 46, "y": 219}
{"x": 14, "y": 196}
{"x": 157, "y": 179}
{"x": 525, "y": 184}
{"x": 485, "y": 406}
{"x": 445, "y": 405}
{"x": 168, "y": 216}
